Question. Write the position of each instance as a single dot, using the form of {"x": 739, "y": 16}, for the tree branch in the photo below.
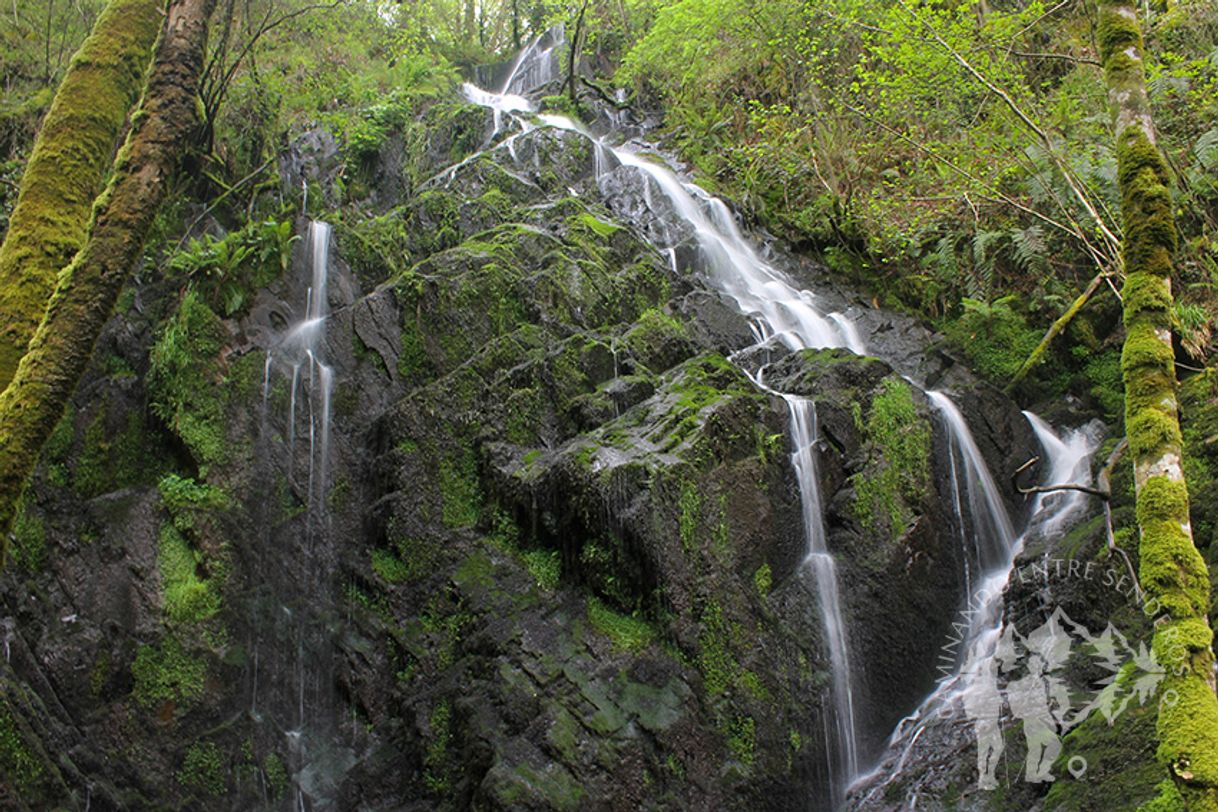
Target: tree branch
{"x": 1068, "y": 487}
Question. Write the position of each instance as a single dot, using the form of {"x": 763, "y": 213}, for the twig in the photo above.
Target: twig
{"x": 212, "y": 206}
{"x": 1025, "y": 466}
{"x": 1082, "y": 60}
{"x": 1105, "y": 482}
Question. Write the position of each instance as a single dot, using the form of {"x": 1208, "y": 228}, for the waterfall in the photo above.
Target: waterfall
{"x": 301, "y": 701}
{"x": 1069, "y": 462}
{"x": 805, "y": 434}
{"x": 993, "y": 537}
{"x": 779, "y": 310}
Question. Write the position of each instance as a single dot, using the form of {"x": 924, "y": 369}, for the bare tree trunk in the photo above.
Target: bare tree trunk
{"x": 1172, "y": 571}
{"x": 88, "y": 287}
{"x": 71, "y": 154}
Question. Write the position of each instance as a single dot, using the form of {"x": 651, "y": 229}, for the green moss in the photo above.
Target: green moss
{"x": 167, "y": 673}
{"x": 1103, "y": 371}
{"x": 553, "y": 787}
{"x": 899, "y": 471}
{"x": 742, "y": 739}
{"x": 460, "y": 490}
{"x": 628, "y": 633}
{"x": 203, "y": 769}
{"x": 1168, "y": 799}
{"x": 413, "y": 362}
{"x": 1162, "y": 499}
{"x": 28, "y": 549}
{"x": 19, "y": 765}
{"x": 763, "y": 579}
{"x": 715, "y": 660}
{"x": 1150, "y": 431}
{"x": 597, "y": 226}
{"x": 1188, "y": 730}
{"x": 437, "y": 769}
{"x": 71, "y": 155}
{"x": 657, "y": 339}
{"x": 690, "y": 517}
{"x": 59, "y": 446}
{"x": 92, "y": 471}
{"x": 185, "y": 380}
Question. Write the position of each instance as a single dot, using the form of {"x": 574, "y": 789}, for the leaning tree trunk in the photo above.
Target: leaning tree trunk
{"x": 1172, "y": 571}
{"x": 88, "y": 287}
{"x": 73, "y": 150}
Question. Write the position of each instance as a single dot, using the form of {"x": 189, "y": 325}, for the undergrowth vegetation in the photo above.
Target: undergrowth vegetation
{"x": 955, "y": 159}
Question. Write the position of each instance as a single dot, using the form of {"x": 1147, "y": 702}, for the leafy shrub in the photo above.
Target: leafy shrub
{"x": 226, "y": 271}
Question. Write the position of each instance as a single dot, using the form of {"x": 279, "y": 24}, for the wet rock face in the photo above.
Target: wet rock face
{"x": 559, "y": 560}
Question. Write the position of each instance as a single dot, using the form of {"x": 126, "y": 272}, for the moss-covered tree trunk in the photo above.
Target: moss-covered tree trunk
{"x": 88, "y": 287}
{"x": 73, "y": 150}
{"x": 1172, "y": 571}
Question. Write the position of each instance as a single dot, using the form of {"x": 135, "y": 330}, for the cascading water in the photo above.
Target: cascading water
{"x": 805, "y": 435}
{"x": 975, "y": 495}
{"x": 300, "y": 700}
{"x": 1069, "y": 462}
{"x": 781, "y": 311}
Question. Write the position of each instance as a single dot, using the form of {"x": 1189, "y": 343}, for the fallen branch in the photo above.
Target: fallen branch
{"x": 603, "y": 94}
{"x": 1054, "y": 331}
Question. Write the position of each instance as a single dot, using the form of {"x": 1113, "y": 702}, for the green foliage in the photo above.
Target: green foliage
{"x": 276, "y": 775}
{"x": 390, "y": 567}
{"x": 545, "y": 566}
{"x": 227, "y": 271}
{"x": 185, "y": 379}
{"x": 188, "y": 597}
{"x": 190, "y": 580}
{"x": 993, "y": 336}
{"x": 203, "y": 769}
{"x": 185, "y": 499}
{"x": 418, "y": 79}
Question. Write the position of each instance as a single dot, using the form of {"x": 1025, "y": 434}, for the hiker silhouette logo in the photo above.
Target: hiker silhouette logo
{"x": 1021, "y": 679}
